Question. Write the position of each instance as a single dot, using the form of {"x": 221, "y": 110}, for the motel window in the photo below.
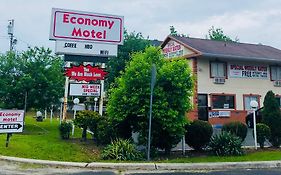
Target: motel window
{"x": 223, "y": 101}
{"x": 218, "y": 69}
{"x": 248, "y": 99}
{"x": 275, "y": 72}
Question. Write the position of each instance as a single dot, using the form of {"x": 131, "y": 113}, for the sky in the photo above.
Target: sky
{"x": 251, "y": 21}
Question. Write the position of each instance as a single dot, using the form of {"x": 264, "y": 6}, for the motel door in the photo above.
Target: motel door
{"x": 203, "y": 107}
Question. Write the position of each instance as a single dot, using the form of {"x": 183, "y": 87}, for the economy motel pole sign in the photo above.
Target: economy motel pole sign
{"x": 85, "y": 37}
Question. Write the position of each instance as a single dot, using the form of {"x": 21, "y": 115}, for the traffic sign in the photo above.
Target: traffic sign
{"x": 11, "y": 121}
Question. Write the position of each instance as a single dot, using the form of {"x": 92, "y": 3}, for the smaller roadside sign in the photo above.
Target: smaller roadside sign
{"x": 11, "y": 121}
{"x": 85, "y": 73}
{"x": 85, "y": 90}
{"x": 86, "y": 48}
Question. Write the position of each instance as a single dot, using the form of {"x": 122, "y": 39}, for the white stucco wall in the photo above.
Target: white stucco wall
{"x": 238, "y": 86}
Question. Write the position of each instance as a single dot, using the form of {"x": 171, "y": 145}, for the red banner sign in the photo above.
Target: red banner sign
{"x": 86, "y": 73}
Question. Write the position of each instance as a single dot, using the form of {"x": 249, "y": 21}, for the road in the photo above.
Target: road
{"x": 228, "y": 172}
{"x": 14, "y": 168}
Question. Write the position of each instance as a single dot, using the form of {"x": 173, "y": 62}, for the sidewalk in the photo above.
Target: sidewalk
{"x": 153, "y": 166}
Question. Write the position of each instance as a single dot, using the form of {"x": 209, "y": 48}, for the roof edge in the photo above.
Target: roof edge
{"x": 240, "y": 57}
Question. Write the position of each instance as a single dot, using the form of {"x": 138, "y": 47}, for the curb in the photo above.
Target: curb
{"x": 153, "y": 166}
{"x": 44, "y": 162}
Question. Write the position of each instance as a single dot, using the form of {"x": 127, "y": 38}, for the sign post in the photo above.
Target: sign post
{"x": 152, "y": 84}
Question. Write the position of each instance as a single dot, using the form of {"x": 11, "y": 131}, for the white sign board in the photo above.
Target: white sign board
{"x": 216, "y": 114}
{"x": 173, "y": 49}
{"x": 84, "y": 90}
{"x": 11, "y": 121}
{"x": 86, "y": 26}
{"x": 82, "y": 48}
{"x": 248, "y": 71}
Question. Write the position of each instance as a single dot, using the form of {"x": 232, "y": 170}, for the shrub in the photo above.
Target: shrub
{"x": 272, "y": 118}
{"x": 121, "y": 150}
{"x": 263, "y": 133}
{"x": 236, "y": 128}
{"x": 198, "y": 134}
{"x": 65, "y": 129}
{"x": 105, "y": 131}
{"x": 226, "y": 144}
{"x": 87, "y": 119}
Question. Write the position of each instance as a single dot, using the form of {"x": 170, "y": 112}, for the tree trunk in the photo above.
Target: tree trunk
{"x": 84, "y": 134}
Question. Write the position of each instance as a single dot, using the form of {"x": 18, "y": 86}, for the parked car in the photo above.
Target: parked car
{"x": 249, "y": 118}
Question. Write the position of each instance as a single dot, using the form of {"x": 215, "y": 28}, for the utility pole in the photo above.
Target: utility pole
{"x": 11, "y": 33}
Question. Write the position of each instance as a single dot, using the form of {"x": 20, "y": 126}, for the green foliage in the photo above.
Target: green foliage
{"x": 87, "y": 120}
{"x": 198, "y": 134}
{"x": 121, "y": 150}
{"x": 272, "y": 118}
{"x": 105, "y": 132}
{"x": 35, "y": 72}
{"x": 263, "y": 133}
{"x": 65, "y": 129}
{"x": 236, "y": 128}
{"x": 173, "y": 32}
{"x": 226, "y": 144}
{"x": 133, "y": 42}
{"x": 218, "y": 35}
{"x": 129, "y": 100}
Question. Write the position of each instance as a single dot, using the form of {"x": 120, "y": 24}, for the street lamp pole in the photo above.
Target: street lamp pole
{"x": 95, "y": 107}
{"x": 254, "y": 104}
{"x": 76, "y": 102}
{"x": 61, "y": 106}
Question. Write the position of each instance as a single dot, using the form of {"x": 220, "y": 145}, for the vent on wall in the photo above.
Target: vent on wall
{"x": 219, "y": 80}
{"x": 277, "y": 83}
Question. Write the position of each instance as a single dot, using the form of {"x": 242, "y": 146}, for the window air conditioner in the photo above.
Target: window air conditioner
{"x": 219, "y": 80}
{"x": 277, "y": 83}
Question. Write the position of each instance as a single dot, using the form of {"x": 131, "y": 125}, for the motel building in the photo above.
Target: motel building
{"x": 228, "y": 76}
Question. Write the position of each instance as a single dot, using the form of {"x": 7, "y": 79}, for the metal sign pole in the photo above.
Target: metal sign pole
{"x": 8, "y": 139}
{"x": 153, "y": 80}
{"x": 65, "y": 94}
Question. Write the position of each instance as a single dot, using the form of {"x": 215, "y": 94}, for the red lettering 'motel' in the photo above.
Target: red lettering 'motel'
{"x": 86, "y": 33}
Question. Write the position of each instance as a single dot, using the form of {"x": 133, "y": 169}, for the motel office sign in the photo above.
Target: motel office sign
{"x": 86, "y": 26}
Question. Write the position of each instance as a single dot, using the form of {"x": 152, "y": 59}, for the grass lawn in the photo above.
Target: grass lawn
{"x": 41, "y": 140}
{"x": 251, "y": 155}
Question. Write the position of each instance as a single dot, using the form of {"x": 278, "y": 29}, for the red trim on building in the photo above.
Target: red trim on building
{"x": 195, "y": 74}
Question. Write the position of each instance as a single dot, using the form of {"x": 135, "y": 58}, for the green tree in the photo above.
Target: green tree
{"x": 263, "y": 133}
{"x": 133, "y": 42}
{"x": 173, "y": 32}
{"x": 34, "y": 72}
{"x": 129, "y": 100}
{"x": 87, "y": 120}
{"x": 218, "y": 35}
{"x": 272, "y": 118}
